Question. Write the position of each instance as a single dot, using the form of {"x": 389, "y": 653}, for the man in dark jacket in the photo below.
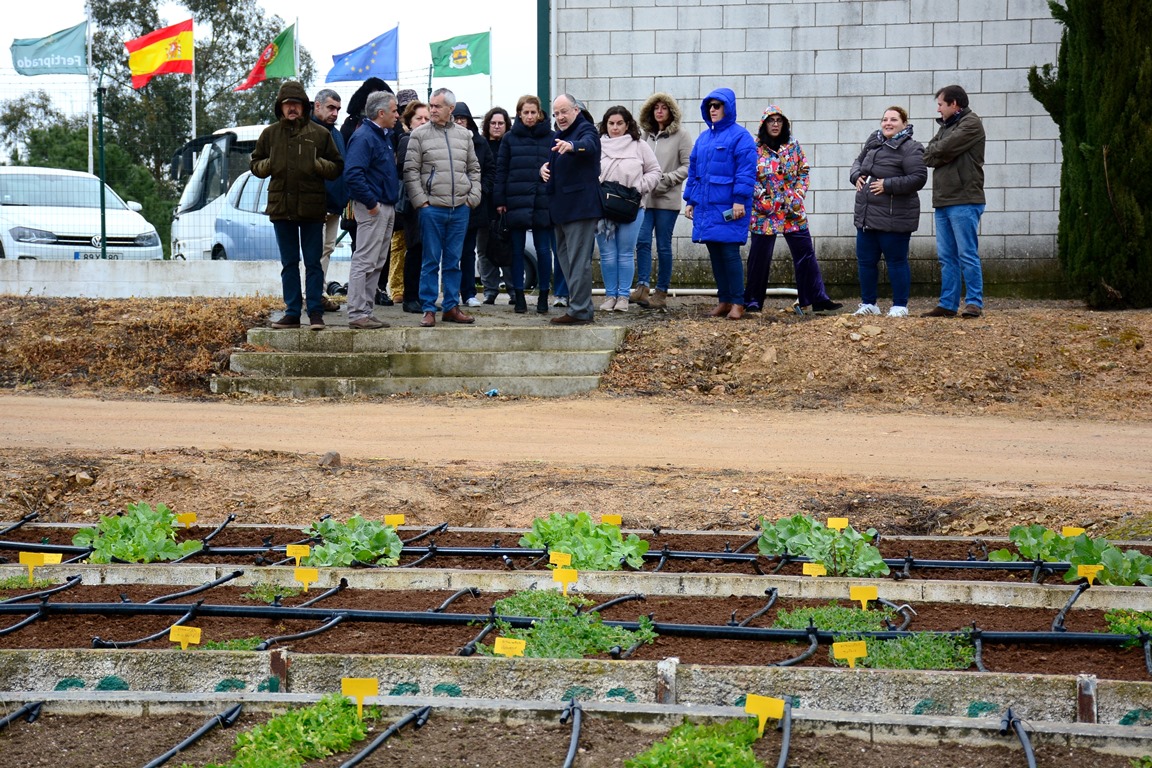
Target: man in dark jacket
{"x": 573, "y": 176}
{"x": 956, "y": 157}
{"x": 298, "y": 155}
{"x": 481, "y": 214}
{"x": 325, "y": 110}
{"x": 374, "y": 187}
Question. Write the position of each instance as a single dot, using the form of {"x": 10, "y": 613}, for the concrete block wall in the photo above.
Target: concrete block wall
{"x": 833, "y": 66}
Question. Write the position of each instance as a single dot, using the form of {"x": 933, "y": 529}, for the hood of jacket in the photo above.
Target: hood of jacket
{"x": 537, "y": 131}
{"x": 648, "y": 123}
{"x": 727, "y": 97}
{"x": 359, "y": 101}
{"x": 786, "y": 132}
{"x": 461, "y": 110}
{"x": 292, "y": 90}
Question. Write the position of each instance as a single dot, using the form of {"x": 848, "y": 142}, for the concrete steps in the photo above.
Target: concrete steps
{"x": 538, "y": 361}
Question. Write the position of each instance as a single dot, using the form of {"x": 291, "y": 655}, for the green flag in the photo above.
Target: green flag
{"x": 278, "y": 59}
{"x": 61, "y": 53}
{"x": 463, "y": 55}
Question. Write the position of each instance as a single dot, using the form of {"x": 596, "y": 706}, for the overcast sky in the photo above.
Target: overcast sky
{"x": 326, "y": 29}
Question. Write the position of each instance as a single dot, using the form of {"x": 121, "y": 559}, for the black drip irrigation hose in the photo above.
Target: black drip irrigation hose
{"x": 419, "y": 717}
{"x": 99, "y": 643}
{"x": 330, "y": 624}
{"x": 29, "y": 712}
{"x": 813, "y": 645}
{"x": 219, "y": 529}
{"x": 442, "y": 528}
{"x": 576, "y": 713}
{"x": 772, "y": 593}
{"x": 977, "y": 637}
{"x": 73, "y": 581}
{"x": 1011, "y": 723}
{"x": 1146, "y": 641}
{"x": 21, "y": 624}
{"x": 614, "y": 602}
{"x": 904, "y": 610}
{"x": 431, "y": 553}
{"x": 343, "y": 585}
{"x": 1058, "y": 622}
{"x": 195, "y": 590}
{"x": 225, "y": 719}
{"x": 744, "y": 547}
{"x": 469, "y": 648}
{"x": 26, "y": 519}
{"x": 785, "y": 728}
{"x": 470, "y": 591}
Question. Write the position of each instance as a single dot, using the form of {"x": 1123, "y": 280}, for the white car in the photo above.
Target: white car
{"x": 49, "y": 213}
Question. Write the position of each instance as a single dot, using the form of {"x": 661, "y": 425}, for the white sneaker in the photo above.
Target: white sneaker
{"x": 610, "y": 304}
{"x": 474, "y": 302}
{"x": 560, "y": 301}
{"x": 868, "y": 309}
{"x": 621, "y": 304}
{"x": 898, "y": 312}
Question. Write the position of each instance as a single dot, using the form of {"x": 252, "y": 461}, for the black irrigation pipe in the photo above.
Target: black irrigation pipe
{"x": 1058, "y": 622}
{"x": 437, "y": 529}
{"x": 904, "y": 610}
{"x": 785, "y": 728}
{"x": 21, "y": 624}
{"x": 809, "y": 652}
{"x": 1011, "y": 723}
{"x": 330, "y": 624}
{"x": 29, "y": 712}
{"x": 771, "y": 593}
{"x": 195, "y": 590}
{"x": 343, "y": 585}
{"x": 73, "y": 581}
{"x": 26, "y": 519}
{"x": 97, "y": 642}
{"x": 225, "y": 719}
{"x": 469, "y": 648}
{"x": 419, "y": 717}
{"x": 576, "y": 713}
{"x": 614, "y": 602}
{"x": 470, "y": 591}
{"x": 219, "y": 529}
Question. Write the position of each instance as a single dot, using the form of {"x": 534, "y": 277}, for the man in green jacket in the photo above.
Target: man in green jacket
{"x": 299, "y": 155}
{"x": 956, "y": 157}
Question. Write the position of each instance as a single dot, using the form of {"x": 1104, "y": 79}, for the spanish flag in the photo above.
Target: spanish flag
{"x": 163, "y": 52}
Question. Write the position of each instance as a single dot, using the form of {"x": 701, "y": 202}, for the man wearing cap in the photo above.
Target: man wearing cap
{"x": 298, "y": 155}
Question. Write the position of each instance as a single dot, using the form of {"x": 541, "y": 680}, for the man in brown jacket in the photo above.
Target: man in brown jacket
{"x": 299, "y": 155}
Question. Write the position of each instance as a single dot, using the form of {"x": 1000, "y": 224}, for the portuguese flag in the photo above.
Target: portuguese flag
{"x": 278, "y": 59}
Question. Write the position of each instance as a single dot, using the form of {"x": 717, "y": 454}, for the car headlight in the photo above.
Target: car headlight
{"x": 29, "y": 235}
{"x": 148, "y": 239}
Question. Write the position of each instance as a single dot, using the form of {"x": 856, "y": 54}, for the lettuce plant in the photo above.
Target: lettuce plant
{"x": 593, "y": 546}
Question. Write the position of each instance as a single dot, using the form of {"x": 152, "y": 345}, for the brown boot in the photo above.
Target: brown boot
{"x": 456, "y": 315}
{"x": 720, "y": 310}
{"x": 639, "y": 295}
{"x": 658, "y": 300}
{"x": 737, "y": 312}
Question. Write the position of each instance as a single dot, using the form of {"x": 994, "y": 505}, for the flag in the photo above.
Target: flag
{"x": 379, "y": 58}
{"x": 166, "y": 51}
{"x": 278, "y": 59}
{"x": 463, "y": 55}
{"x": 61, "y": 53}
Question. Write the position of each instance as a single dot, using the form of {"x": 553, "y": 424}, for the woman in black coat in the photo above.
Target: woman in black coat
{"x": 521, "y": 196}
{"x": 888, "y": 174}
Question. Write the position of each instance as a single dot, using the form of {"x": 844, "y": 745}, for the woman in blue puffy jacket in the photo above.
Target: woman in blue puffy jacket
{"x": 718, "y": 193}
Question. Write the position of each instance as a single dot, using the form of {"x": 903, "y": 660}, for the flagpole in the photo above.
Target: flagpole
{"x": 193, "y": 89}
{"x": 296, "y": 47}
{"x": 88, "y": 45}
{"x": 491, "y": 66}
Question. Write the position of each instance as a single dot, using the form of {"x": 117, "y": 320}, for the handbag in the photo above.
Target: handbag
{"x": 499, "y": 251}
{"x": 621, "y": 203}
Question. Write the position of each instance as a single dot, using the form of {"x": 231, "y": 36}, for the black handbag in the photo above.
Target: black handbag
{"x": 621, "y": 203}
{"x": 499, "y": 252}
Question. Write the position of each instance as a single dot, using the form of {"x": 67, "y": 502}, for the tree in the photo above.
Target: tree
{"x": 33, "y": 109}
{"x": 1097, "y": 93}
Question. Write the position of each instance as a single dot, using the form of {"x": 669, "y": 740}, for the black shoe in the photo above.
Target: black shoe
{"x": 332, "y": 289}
{"x": 490, "y": 298}
{"x": 413, "y": 307}
{"x": 382, "y": 299}
{"x": 521, "y": 304}
{"x": 751, "y": 307}
{"x": 825, "y": 307}
{"x": 542, "y": 303}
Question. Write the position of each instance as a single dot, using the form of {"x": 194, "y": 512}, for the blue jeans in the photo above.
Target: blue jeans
{"x": 870, "y": 244}
{"x": 293, "y": 239}
{"x": 618, "y": 256}
{"x": 663, "y": 221}
{"x": 728, "y": 269}
{"x": 544, "y": 242}
{"x": 958, "y": 249}
{"x": 560, "y": 285}
{"x": 468, "y": 265}
{"x": 442, "y": 231}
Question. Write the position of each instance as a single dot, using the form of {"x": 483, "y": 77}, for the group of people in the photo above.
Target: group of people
{"x": 420, "y": 185}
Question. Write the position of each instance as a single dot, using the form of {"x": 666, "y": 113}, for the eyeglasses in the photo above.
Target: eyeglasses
{"x": 560, "y": 112}
{"x": 715, "y": 105}
{"x": 776, "y": 120}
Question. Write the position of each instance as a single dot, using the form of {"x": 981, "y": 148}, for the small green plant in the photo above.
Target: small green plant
{"x": 1122, "y": 621}
{"x": 140, "y": 535}
{"x": 835, "y": 618}
{"x": 20, "y": 581}
{"x": 267, "y": 593}
{"x": 1035, "y": 542}
{"x": 560, "y": 632}
{"x": 716, "y": 745}
{"x": 1141, "y": 762}
{"x": 842, "y": 553}
{"x": 294, "y": 738}
{"x": 923, "y": 650}
{"x": 593, "y": 546}
{"x": 236, "y": 644}
{"x": 356, "y": 541}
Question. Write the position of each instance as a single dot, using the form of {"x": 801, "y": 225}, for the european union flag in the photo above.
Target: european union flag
{"x": 379, "y": 58}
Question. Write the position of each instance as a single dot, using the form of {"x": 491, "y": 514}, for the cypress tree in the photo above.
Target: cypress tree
{"x": 1100, "y": 95}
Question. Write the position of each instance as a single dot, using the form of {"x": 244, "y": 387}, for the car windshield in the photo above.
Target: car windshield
{"x": 60, "y": 191}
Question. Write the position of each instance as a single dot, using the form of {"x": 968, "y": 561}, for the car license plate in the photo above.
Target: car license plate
{"x": 83, "y": 255}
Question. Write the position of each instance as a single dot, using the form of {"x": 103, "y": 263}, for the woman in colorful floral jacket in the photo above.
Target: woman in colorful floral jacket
{"x": 778, "y": 208}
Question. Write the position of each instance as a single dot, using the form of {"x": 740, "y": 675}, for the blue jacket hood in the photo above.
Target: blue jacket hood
{"x": 728, "y": 97}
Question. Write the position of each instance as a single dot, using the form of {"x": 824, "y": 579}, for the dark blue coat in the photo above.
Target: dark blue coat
{"x": 574, "y": 185}
{"x": 370, "y": 167}
{"x": 335, "y": 192}
{"x": 721, "y": 172}
{"x": 519, "y": 187}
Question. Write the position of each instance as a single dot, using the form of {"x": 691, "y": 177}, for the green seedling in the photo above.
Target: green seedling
{"x": 1122, "y": 621}
{"x": 21, "y": 582}
{"x": 267, "y": 593}
{"x": 842, "y": 553}
{"x": 140, "y": 535}
{"x": 716, "y": 745}
{"x": 923, "y": 650}
{"x": 236, "y": 644}
{"x": 356, "y": 541}
{"x": 1035, "y": 542}
{"x": 835, "y": 618}
{"x": 593, "y": 546}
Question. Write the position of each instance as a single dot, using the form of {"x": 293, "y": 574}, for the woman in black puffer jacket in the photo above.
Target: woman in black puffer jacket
{"x": 520, "y": 194}
{"x": 888, "y": 174}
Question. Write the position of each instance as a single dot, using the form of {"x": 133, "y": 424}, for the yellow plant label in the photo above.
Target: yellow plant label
{"x": 864, "y": 594}
{"x": 562, "y": 559}
{"x": 1089, "y": 572}
{"x": 307, "y": 576}
{"x": 815, "y": 569}
{"x": 186, "y": 518}
{"x": 839, "y": 523}
{"x": 764, "y": 707}
{"x": 857, "y": 649}
{"x": 36, "y": 559}
{"x": 565, "y": 576}
{"x": 611, "y": 520}
{"x": 394, "y": 520}
{"x": 298, "y": 551}
{"x": 359, "y": 688}
{"x": 1071, "y": 531}
{"x": 507, "y": 646}
{"x": 185, "y": 636}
